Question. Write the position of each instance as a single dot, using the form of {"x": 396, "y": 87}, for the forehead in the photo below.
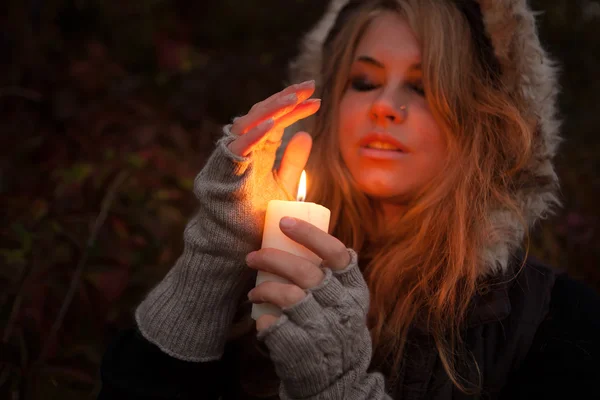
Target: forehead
{"x": 389, "y": 38}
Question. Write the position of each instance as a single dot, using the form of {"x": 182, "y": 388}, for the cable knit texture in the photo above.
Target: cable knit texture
{"x": 190, "y": 311}
{"x": 321, "y": 346}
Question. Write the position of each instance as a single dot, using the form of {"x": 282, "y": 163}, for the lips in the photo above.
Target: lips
{"x": 382, "y": 141}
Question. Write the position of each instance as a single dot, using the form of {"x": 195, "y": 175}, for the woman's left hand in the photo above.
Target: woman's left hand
{"x": 320, "y": 345}
{"x": 301, "y": 272}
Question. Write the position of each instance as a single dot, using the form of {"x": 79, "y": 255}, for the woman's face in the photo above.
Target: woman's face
{"x": 388, "y": 137}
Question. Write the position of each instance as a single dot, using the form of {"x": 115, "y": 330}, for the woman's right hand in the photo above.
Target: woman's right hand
{"x": 267, "y": 120}
{"x": 233, "y": 189}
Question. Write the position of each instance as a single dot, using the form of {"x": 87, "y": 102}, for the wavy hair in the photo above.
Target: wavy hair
{"x": 426, "y": 271}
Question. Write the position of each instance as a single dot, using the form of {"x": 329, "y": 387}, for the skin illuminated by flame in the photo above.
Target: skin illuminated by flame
{"x": 386, "y": 77}
{"x": 302, "y": 187}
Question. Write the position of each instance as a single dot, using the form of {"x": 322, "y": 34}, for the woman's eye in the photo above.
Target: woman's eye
{"x": 362, "y": 84}
{"x": 417, "y": 87}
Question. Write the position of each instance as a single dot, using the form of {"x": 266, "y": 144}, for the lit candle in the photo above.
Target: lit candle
{"x": 316, "y": 214}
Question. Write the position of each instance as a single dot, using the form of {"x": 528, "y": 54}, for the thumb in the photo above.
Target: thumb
{"x": 294, "y": 160}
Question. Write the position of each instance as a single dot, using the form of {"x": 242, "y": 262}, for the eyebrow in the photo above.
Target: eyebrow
{"x": 378, "y": 64}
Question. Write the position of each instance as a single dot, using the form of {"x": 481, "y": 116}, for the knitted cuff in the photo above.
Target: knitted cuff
{"x": 322, "y": 343}
{"x": 188, "y": 314}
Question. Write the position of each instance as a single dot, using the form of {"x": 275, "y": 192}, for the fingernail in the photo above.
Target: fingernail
{"x": 313, "y": 101}
{"x": 250, "y": 258}
{"x": 287, "y": 222}
{"x": 250, "y": 294}
{"x": 308, "y": 83}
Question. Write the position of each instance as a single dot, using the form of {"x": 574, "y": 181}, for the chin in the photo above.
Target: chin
{"x": 382, "y": 190}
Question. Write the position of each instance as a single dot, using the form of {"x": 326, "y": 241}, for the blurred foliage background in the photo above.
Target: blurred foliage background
{"x": 108, "y": 109}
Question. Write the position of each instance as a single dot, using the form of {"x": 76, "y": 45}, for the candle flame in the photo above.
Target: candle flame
{"x": 302, "y": 187}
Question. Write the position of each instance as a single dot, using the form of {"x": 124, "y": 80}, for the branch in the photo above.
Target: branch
{"x": 20, "y": 92}
{"x": 29, "y": 270}
{"x": 100, "y": 219}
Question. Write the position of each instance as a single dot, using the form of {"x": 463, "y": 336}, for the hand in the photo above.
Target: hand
{"x": 232, "y": 183}
{"x": 303, "y": 273}
{"x": 266, "y": 121}
{"x": 320, "y": 345}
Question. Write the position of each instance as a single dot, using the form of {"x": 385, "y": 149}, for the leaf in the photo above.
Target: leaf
{"x": 13, "y": 256}
{"x": 111, "y": 283}
{"x": 19, "y": 255}
{"x": 168, "y": 215}
{"x": 76, "y": 174}
{"x": 168, "y": 194}
{"x": 39, "y": 209}
{"x": 185, "y": 183}
{"x": 139, "y": 240}
{"x": 120, "y": 228}
{"x": 81, "y": 172}
{"x": 56, "y": 227}
{"x": 109, "y": 154}
{"x": 136, "y": 161}
{"x": 25, "y": 237}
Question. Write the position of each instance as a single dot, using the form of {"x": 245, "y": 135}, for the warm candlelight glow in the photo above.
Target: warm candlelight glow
{"x": 302, "y": 187}
{"x": 274, "y": 238}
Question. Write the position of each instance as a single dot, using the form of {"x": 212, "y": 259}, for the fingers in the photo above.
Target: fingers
{"x": 304, "y": 90}
{"x": 295, "y": 269}
{"x": 274, "y": 107}
{"x": 282, "y": 295}
{"x": 265, "y": 322}
{"x": 284, "y": 108}
{"x": 294, "y": 160}
{"x": 273, "y": 128}
{"x": 302, "y": 110}
{"x": 243, "y": 145}
{"x": 330, "y": 249}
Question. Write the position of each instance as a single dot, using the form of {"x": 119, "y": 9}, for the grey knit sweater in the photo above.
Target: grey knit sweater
{"x": 321, "y": 347}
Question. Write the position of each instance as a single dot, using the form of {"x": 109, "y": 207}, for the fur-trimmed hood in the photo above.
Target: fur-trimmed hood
{"x": 511, "y": 27}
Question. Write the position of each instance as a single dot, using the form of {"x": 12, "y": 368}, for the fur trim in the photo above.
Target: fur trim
{"x": 526, "y": 67}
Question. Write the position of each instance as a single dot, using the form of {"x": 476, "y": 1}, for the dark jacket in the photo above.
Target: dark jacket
{"x": 536, "y": 336}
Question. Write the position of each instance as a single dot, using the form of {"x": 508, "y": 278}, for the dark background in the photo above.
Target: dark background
{"x": 108, "y": 109}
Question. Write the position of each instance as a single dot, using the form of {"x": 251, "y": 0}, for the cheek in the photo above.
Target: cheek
{"x": 353, "y": 113}
{"x": 432, "y": 142}
{"x": 355, "y": 107}
{"x": 429, "y": 135}
{"x": 347, "y": 125}
{"x": 348, "y": 114}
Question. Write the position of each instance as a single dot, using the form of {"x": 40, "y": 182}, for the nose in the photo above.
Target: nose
{"x": 384, "y": 111}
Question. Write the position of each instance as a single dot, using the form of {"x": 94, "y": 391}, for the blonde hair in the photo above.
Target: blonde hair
{"x": 426, "y": 272}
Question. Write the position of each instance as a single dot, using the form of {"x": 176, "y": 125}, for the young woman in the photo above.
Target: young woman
{"x": 432, "y": 147}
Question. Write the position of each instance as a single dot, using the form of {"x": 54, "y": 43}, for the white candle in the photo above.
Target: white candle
{"x": 316, "y": 214}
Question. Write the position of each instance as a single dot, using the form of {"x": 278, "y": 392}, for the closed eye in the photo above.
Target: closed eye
{"x": 417, "y": 87}
{"x": 362, "y": 84}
